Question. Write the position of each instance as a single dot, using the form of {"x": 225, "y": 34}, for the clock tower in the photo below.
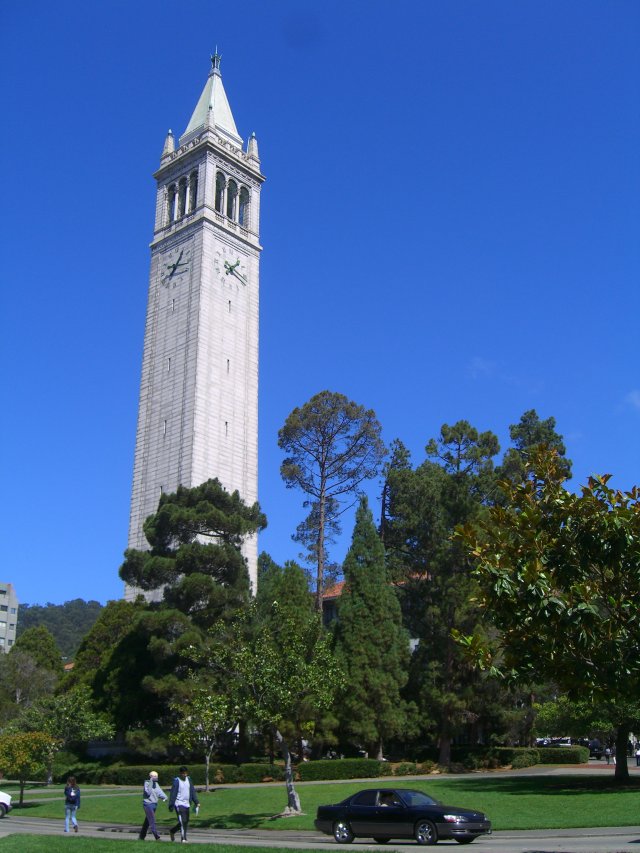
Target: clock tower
{"x": 198, "y": 411}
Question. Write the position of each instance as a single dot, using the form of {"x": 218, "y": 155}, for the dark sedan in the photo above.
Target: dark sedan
{"x": 385, "y": 813}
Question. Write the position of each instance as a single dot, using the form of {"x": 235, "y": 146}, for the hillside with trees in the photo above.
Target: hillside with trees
{"x": 68, "y": 622}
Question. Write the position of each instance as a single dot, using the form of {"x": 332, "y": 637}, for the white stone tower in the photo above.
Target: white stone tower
{"x": 198, "y": 412}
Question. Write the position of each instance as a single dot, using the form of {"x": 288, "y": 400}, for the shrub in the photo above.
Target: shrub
{"x": 343, "y": 768}
{"x": 564, "y": 755}
{"x": 406, "y": 768}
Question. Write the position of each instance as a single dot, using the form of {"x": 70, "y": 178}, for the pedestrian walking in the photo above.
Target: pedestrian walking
{"x": 638, "y": 756}
{"x": 182, "y": 795}
{"x": 607, "y": 754}
{"x": 71, "y": 804}
{"x": 151, "y": 793}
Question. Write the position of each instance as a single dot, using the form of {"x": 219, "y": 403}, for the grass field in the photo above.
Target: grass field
{"x": 525, "y": 802}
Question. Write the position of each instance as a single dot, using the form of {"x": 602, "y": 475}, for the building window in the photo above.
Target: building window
{"x": 3, "y": 608}
{"x": 229, "y": 306}
{"x": 164, "y": 427}
{"x": 182, "y": 197}
{"x": 193, "y": 191}
{"x": 171, "y": 203}
{"x": 220, "y": 192}
{"x": 3, "y": 624}
{"x": 232, "y": 195}
{"x": 226, "y": 427}
{"x": 13, "y": 610}
{"x": 168, "y": 364}
{"x": 228, "y": 364}
{"x": 243, "y": 208}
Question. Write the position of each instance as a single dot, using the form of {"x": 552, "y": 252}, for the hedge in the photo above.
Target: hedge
{"x": 564, "y": 755}
{"x": 342, "y": 768}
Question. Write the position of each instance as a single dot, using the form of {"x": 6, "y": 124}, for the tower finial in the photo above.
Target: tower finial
{"x": 215, "y": 61}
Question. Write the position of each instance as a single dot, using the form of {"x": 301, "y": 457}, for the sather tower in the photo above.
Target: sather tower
{"x": 198, "y": 412}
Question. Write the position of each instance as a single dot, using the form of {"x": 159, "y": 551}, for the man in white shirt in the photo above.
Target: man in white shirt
{"x": 182, "y": 795}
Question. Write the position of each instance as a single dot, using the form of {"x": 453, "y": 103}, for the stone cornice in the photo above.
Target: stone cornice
{"x": 208, "y": 139}
{"x": 209, "y": 216}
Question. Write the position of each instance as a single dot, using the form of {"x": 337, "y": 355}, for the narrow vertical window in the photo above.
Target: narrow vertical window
{"x": 182, "y": 197}
{"x": 229, "y": 306}
{"x": 220, "y": 192}
{"x": 232, "y": 195}
{"x": 168, "y": 364}
{"x": 171, "y": 203}
{"x": 226, "y": 428}
{"x": 193, "y": 191}
{"x": 173, "y": 304}
{"x": 243, "y": 208}
{"x": 164, "y": 427}
{"x": 228, "y": 364}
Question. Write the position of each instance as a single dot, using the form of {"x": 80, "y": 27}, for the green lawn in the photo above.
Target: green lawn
{"x": 526, "y": 802}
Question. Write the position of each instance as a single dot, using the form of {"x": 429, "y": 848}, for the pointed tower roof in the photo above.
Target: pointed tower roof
{"x": 213, "y": 110}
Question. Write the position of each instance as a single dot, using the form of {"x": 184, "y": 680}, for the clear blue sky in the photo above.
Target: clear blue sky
{"x": 450, "y": 226}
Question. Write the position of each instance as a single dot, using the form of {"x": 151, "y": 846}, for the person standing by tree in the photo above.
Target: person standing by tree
{"x": 71, "y": 803}
{"x": 152, "y": 792}
{"x": 182, "y": 795}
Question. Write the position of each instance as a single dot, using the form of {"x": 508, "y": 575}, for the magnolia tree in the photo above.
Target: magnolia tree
{"x": 559, "y": 576}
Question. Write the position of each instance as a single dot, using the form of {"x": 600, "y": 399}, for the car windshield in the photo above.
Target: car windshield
{"x": 417, "y": 798}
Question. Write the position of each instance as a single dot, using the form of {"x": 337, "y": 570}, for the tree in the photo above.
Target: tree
{"x": 196, "y": 537}
{"x": 40, "y": 645}
{"x": 116, "y": 620}
{"x": 67, "y": 718}
{"x": 26, "y": 756}
{"x": 333, "y": 446}
{"x": 559, "y": 573}
{"x": 281, "y": 674}
{"x": 372, "y": 643}
{"x": 201, "y": 720}
{"x": 22, "y": 681}
{"x": 530, "y": 433}
{"x": 434, "y": 574}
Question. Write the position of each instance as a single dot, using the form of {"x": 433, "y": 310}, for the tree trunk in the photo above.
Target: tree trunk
{"x": 320, "y": 572}
{"x": 207, "y": 758}
{"x": 379, "y": 752}
{"x": 293, "y": 800}
{"x": 444, "y": 758}
{"x": 622, "y": 767}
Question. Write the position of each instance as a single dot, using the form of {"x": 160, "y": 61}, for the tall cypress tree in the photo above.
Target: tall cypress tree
{"x": 372, "y": 642}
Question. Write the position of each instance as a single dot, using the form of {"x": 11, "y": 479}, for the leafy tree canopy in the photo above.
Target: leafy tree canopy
{"x": 559, "y": 573}
{"x": 195, "y": 557}
{"x": 39, "y": 644}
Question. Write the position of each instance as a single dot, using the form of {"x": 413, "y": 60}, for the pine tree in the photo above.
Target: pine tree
{"x": 371, "y": 640}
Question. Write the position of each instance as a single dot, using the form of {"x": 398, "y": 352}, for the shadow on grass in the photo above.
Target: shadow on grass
{"x": 549, "y": 785}
{"x": 235, "y": 821}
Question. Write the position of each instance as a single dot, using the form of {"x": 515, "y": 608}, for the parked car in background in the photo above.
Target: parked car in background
{"x": 5, "y": 803}
{"x": 385, "y": 813}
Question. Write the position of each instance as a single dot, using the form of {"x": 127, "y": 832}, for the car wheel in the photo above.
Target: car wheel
{"x": 425, "y": 832}
{"x": 3, "y": 810}
{"x": 342, "y": 832}
{"x": 381, "y": 840}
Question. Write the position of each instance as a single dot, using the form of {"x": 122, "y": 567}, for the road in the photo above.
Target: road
{"x": 608, "y": 840}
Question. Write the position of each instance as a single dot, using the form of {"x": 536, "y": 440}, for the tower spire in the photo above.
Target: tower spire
{"x": 213, "y": 109}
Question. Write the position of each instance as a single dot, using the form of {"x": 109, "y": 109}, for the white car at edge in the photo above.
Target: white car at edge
{"x": 5, "y": 803}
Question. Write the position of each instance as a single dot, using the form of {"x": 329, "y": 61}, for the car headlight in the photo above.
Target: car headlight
{"x": 455, "y": 818}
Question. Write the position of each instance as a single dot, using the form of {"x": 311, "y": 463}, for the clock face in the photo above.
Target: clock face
{"x": 174, "y": 265}
{"x": 230, "y": 266}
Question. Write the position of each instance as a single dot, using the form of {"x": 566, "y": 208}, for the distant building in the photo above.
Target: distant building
{"x": 8, "y": 616}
